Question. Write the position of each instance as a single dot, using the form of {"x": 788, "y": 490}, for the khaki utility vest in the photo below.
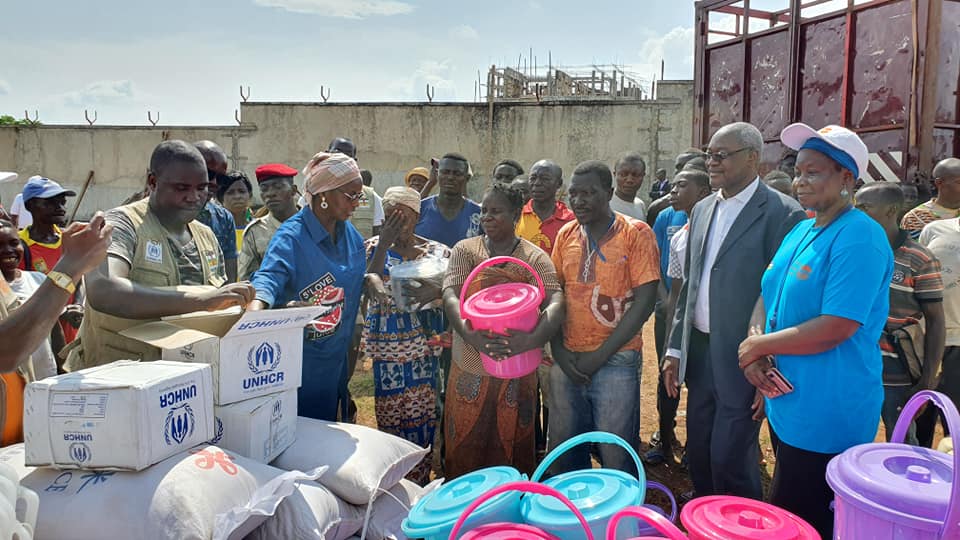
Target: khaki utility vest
{"x": 99, "y": 341}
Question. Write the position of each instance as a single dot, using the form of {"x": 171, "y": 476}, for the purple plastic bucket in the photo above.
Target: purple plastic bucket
{"x": 893, "y": 490}
{"x": 647, "y": 530}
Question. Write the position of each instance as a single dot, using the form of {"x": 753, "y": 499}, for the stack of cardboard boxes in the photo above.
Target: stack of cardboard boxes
{"x": 229, "y": 378}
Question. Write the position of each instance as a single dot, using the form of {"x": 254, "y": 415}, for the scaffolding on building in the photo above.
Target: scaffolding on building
{"x": 564, "y": 83}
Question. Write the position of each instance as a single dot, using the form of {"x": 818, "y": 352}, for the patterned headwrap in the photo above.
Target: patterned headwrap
{"x": 406, "y": 196}
{"x": 416, "y": 171}
{"x": 326, "y": 172}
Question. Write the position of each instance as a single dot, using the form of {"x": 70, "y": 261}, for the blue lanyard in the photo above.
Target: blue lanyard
{"x": 593, "y": 245}
{"x": 796, "y": 253}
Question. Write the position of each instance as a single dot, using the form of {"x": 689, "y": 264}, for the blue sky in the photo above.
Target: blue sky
{"x": 187, "y": 59}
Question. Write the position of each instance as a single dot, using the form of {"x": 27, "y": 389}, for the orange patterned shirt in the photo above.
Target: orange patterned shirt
{"x": 598, "y": 286}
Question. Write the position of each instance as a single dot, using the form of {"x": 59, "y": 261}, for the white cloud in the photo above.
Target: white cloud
{"x": 350, "y": 9}
{"x": 4, "y": 88}
{"x": 464, "y": 31}
{"x": 437, "y": 73}
{"x": 675, "y": 48}
{"x": 103, "y": 92}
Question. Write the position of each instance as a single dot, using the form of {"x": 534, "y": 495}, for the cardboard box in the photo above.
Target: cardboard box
{"x": 252, "y": 354}
{"x": 259, "y": 428}
{"x": 126, "y": 415}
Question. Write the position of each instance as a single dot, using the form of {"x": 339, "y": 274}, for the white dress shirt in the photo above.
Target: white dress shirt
{"x": 727, "y": 211}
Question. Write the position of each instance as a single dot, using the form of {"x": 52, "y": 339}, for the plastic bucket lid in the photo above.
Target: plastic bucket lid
{"x": 436, "y": 513}
{"x": 734, "y": 517}
{"x": 507, "y": 531}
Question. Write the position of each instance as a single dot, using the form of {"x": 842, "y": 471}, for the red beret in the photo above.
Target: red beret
{"x": 273, "y": 170}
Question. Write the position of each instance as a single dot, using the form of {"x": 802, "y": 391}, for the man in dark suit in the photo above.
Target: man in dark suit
{"x": 733, "y": 235}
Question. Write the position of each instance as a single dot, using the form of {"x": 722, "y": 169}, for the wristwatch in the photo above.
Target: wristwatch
{"x": 62, "y": 280}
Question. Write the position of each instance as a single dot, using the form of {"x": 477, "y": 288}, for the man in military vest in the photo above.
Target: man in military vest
{"x": 157, "y": 247}
{"x": 279, "y": 198}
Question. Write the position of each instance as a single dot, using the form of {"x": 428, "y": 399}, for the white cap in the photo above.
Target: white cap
{"x": 7, "y": 176}
{"x": 795, "y": 135}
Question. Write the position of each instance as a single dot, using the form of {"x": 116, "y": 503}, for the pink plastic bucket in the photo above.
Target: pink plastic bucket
{"x": 508, "y": 306}
{"x": 653, "y": 523}
{"x": 894, "y": 490}
{"x": 722, "y": 517}
{"x": 514, "y": 531}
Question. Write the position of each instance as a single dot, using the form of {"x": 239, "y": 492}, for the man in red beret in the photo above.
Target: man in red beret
{"x": 279, "y": 198}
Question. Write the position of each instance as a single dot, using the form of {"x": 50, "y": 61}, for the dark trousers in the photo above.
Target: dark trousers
{"x": 666, "y": 405}
{"x": 722, "y": 451}
{"x": 950, "y": 386}
{"x": 800, "y": 486}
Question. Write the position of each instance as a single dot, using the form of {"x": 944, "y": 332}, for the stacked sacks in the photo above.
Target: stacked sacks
{"x": 365, "y": 469}
{"x": 112, "y": 452}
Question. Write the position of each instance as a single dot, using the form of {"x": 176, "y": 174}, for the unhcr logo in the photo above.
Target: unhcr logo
{"x": 179, "y": 424}
{"x": 263, "y": 358}
{"x": 277, "y": 409}
{"x": 80, "y": 453}
{"x": 218, "y": 430}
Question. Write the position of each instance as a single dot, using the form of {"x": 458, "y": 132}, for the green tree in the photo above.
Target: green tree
{"x": 7, "y": 120}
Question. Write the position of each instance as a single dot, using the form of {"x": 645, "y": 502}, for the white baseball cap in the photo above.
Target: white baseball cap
{"x": 7, "y": 176}
{"x": 796, "y": 135}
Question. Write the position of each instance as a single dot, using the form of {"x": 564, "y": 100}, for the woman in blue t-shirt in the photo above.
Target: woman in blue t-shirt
{"x": 824, "y": 300}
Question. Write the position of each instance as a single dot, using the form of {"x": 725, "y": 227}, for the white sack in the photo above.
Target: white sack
{"x": 311, "y": 512}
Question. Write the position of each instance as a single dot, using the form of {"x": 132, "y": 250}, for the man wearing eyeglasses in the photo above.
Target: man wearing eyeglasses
{"x": 215, "y": 216}
{"x": 733, "y": 235}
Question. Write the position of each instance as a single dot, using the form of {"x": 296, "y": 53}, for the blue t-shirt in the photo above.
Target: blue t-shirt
{"x": 224, "y": 228}
{"x": 303, "y": 264}
{"x": 668, "y": 222}
{"x": 434, "y": 226}
{"x": 842, "y": 270}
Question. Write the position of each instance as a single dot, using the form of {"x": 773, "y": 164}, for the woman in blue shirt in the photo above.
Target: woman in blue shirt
{"x": 317, "y": 258}
{"x": 824, "y": 300}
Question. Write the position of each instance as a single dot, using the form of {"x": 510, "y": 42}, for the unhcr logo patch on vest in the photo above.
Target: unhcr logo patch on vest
{"x": 263, "y": 360}
{"x": 179, "y": 424}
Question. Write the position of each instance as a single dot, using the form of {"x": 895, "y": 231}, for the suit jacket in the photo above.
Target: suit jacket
{"x": 743, "y": 257}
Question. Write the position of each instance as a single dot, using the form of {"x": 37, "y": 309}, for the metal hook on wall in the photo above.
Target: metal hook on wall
{"x": 150, "y": 117}
{"x": 236, "y": 116}
{"x": 244, "y": 97}
{"x": 87, "y": 116}
{"x": 325, "y": 96}
{"x": 431, "y": 91}
{"x": 35, "y": 120}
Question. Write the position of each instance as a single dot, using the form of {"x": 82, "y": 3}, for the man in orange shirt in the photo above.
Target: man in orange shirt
{"x": 609, "y": 267}
{"x": 47, "y": 202}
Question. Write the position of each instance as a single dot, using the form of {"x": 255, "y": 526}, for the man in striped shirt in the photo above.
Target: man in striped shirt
{"x": 916, "y": 294}
{"x": 946, "y": 205}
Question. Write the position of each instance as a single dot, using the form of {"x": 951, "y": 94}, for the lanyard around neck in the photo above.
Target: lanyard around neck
{"x": 797, "y": 251}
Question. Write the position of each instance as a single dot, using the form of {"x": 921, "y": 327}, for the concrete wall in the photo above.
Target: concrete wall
{"x": 391, "y": 138}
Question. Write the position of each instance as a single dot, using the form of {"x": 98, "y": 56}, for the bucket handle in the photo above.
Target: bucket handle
{"x": 493, "y": 261}
{"x": 527, "y": 487}
{"x": 951, "y": 522}
{"x": 666, "y": 491}
{"x": 601, "y": 437}
{"x": 655, "y": 520}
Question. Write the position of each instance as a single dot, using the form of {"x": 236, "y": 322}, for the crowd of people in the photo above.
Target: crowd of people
{"x": 805, "y": 297}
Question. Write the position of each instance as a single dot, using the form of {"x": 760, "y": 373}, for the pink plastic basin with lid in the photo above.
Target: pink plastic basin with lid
{"x": 514, "y": 531}
{"x": 733, "y": 518}
{"x": 508, "y": 306}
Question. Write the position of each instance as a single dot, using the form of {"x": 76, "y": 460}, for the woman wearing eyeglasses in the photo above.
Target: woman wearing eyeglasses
{"x": 813, "y": 350}
{"x": 317, "y": 258}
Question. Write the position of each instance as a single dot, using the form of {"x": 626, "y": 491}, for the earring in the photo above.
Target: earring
{"x": 323, "y": 202}
{"x": 844, "y": 193}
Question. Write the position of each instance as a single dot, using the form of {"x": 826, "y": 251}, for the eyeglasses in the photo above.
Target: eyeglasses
{"x": 721, "y": 156}
{"x": 353, "y": 197}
